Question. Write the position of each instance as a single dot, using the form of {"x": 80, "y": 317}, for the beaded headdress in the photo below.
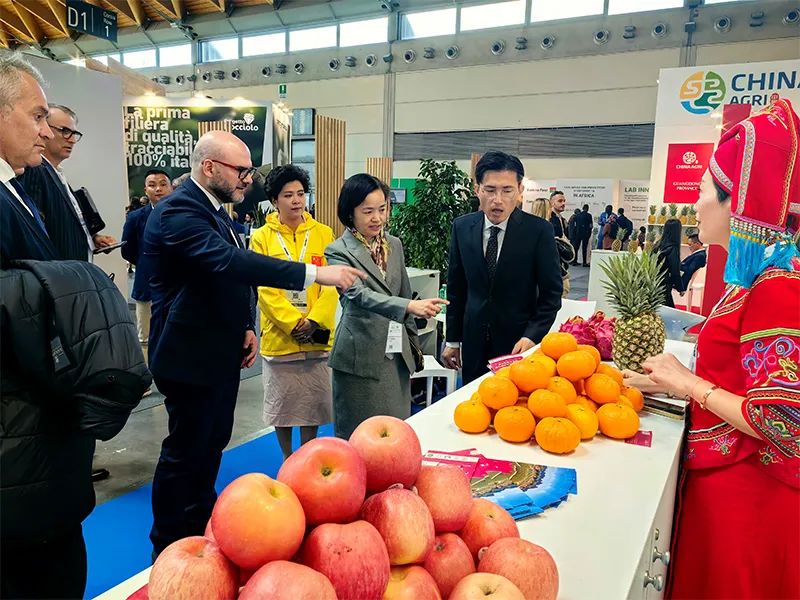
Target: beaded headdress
{"x": 756, "y": 162}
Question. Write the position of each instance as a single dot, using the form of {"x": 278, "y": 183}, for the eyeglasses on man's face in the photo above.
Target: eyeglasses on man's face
{"x": 71, "y": 135}
{"x": 506, "y": 192}
{"x": 244, "y": 172}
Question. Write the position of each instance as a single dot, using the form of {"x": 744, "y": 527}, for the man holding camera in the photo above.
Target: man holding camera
{"x": 74, "y": 236}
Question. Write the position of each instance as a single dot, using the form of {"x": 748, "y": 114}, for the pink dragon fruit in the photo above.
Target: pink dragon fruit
{"x": 597, "y": 331}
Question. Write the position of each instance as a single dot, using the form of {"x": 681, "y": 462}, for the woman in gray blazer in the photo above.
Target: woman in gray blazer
{"x": 372, "y": 359}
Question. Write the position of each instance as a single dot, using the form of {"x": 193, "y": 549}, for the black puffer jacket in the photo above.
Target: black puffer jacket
{"x": 71, "y": 370}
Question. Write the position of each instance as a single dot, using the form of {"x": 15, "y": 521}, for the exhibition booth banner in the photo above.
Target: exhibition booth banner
{"x": 695, "y": 105}
{"x": 162, "y": 136}
{"x": 597, "y": 193}
{"x": 633, "y": 197}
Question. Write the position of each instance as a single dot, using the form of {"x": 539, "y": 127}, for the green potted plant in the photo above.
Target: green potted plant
{"x": 441, "y": 193}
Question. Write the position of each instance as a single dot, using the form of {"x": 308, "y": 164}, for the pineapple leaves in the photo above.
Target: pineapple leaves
{"x": 634, "y": 284}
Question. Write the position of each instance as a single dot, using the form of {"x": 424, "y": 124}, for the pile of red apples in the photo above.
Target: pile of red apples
{"x": 356, "y": 520}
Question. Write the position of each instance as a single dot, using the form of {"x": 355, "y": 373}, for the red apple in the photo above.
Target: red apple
{"x": 391, "y": 450}
{"x": 404, "y": 522}
{"x": 257, "y": 520}
{"x": 209, "y": 533}
{"x": 483, "y": 586}
{"x": 352, "y": 556}
{"x": 191, "y": 568}
{"x": 526, "y": 565}
{"x": 283, "y": 580}
{"x": 449, "y": 561}
{"x": 487, "y": 522}
{"x": 411, "y": 583}
{"x": 445, "y": 489}
{"x": 330, "y": 479}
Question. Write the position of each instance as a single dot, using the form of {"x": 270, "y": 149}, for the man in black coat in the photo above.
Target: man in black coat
{"x": 625, "y": 223}
{"x": 584, "y": 228}
{"x": 504, "y": 280}
{"x": 202, "y": 329}
{"x": 45, "y": 464}
{"x": 49, "y": 189}
{"x": 696, "y": 260}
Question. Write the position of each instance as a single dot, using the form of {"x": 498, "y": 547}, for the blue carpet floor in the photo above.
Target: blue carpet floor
{"x": 117, "y": 532}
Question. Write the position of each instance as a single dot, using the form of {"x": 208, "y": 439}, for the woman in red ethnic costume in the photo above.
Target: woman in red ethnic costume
{"x": 737, "y": 528}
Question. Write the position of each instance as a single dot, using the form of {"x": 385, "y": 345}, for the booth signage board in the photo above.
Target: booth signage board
{"x": 87, "y": 18}
{"x": 163, "y": 137}
{"x": 686, "y": 164}
{"x": 695, "y": 104}
{"x": 633, "y": 197}
{"x": 597, "y": 193}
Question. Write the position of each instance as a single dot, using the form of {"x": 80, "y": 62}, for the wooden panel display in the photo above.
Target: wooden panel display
{"x": 380, "y": 167}
{"x": 329, "y": 160}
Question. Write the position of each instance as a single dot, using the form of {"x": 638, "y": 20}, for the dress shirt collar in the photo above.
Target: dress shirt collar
{"x": 211, "y": 198}
{"x": 6, "y": 172}
{"x": 502, "y": 224}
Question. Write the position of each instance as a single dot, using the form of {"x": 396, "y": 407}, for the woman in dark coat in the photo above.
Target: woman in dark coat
{"x": 668, "y": 249}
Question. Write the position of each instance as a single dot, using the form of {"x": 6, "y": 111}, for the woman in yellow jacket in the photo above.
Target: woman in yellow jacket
{"x": 296, "y": 327}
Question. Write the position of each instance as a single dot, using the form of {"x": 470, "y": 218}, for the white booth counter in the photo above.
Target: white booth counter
{"x": 611, "y": 540}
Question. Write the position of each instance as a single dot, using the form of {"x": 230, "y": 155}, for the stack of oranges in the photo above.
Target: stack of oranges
{"x": 559, "y": 395}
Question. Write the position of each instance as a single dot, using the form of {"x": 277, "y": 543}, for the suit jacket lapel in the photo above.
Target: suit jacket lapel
{"x": 200, "y": 196}
{"x": 362, "y": 255}
{"x": 51, "y": 171}
{"x": 475, "y": 244}
{"x": 27, "y": 219}
{"x": 394, "y": 268}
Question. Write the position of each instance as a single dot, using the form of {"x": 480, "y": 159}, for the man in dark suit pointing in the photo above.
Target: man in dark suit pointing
{"x": 202, "y": 326}
{"x": 504, "y": 281}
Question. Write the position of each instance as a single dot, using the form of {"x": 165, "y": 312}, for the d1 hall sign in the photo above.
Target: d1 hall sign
{"x": 163, "y": 137}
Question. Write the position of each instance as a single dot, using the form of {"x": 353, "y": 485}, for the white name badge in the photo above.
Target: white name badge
{"x": 298, "y": 298}
{"x": 394, "y": 340}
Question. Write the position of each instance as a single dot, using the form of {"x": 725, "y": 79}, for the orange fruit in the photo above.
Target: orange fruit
{"x": 624, "y": 400}
{"x": 635, "y": 396}
{"x": 602, "y": 388}
{"x": 504, "y": 372}
{"x": 544, "y": 403}
{"x": 514, "y": 424}
{"x": 586, "y": 403}
{"x": 563, "y": 387}
{"x": 548, "y": 363}
{"x": 557, "y": 435}
{"x": 498, "y": 392}
{"x": 618, "y": 421}
{"x": 576, "y": 365}
{"x": 612, "y": 372}
{"x": 529, "y": 375}
{"x": 584, "y": 418}
{"x": 472, "y": 416}
{"x": 593, "y": 351}
{"x": 556, "y": 344}
{"x": 538, "y": 352}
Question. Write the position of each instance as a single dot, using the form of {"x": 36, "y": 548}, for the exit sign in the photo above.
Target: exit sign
{"x": 96, "y": 21}
{"x": 282, "y": 91}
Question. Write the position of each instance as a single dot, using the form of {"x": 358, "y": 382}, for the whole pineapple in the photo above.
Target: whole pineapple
{"x": 673, "y": 211}
{"x": 692, "y": 216}
{"x": 684, "y": 218}
{"x": 616, "y": 245}
{"x": 633, "y": 245}
{"x": 635, "y": 289}
{"x": 662, "y": 215}
{"x": 652, "y": 216}
{"x": 650, "y": 241}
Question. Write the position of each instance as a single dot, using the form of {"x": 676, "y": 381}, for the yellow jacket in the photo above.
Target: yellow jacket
{"x": 278, "y": 316}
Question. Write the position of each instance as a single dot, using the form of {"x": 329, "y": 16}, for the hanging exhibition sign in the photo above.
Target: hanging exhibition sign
{"x": 163, "y": 136}
{"x": 597, "y": 193}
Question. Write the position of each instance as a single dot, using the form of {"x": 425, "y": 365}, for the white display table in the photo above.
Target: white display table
{"x": 605, "y": 538}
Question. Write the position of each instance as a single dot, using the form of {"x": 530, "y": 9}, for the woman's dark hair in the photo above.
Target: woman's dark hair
{"x": 498, "y": 161}
{"x": 354, "y": 191}
{"x": 280, "y": 176}
{"x": 722, "y": 195}
{"x": 671, "y": 235}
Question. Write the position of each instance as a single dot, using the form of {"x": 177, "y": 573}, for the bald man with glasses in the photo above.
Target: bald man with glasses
{"x": 68, "y": 226}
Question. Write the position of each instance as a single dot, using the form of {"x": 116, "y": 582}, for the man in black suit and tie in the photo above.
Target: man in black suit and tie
{"x": 49, "y": 189}
{"x": 202, "y": 329}
{"x": 504, "y": 280}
